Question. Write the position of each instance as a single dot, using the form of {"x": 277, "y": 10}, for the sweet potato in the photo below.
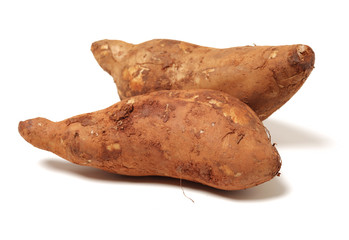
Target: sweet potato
{"x": 204, "y": 136}
{"x": 264, "y": 77}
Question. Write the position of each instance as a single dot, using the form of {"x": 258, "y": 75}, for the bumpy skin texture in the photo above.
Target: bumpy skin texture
{"x": 264, "y": 77}
{"x": 204, "y": 136}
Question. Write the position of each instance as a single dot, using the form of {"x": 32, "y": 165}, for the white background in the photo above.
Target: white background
{"x": 47, "y": 70}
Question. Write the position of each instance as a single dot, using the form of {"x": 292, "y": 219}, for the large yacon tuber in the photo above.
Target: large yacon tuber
{"x": 204, "y": 136}
{"x": 264, "y": 77}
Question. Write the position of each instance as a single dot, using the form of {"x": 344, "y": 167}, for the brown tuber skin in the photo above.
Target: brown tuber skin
{"x": 264, "y": 77}
{"x": 204, "y": 136}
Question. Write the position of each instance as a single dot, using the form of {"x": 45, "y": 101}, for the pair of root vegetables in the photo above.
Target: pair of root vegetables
{"x": 186, "y": 111}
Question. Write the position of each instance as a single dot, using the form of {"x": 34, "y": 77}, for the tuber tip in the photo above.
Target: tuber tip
{"x": 35, "y": 131}
{"x": 303, "y": 56}
{"x": 25, "y": 128}
{"x": 103, "y": 54}
{"x": 97, "y": 46}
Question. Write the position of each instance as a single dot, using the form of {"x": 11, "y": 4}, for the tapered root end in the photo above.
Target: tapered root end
{"x": 278, "y": 162}
{"x": 110, "y": 53}
{"x": 36, "y": 131}
{"x": 26, "y": 128}
{"x": 99, "y": 46}
{"x": 271, "y": 168}
{"x": 303, "y": 57}
{"x": 22, "y": 126}
{"x": 289, "y": 77}
{"x": 103, "y": 55}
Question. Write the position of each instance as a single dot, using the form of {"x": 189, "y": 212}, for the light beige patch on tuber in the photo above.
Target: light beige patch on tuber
{"x": 114, "y": 146}
{"x": 131, "y": 101}
{"x": 207, "y": 72}
{"x": 103, "y": 53}
{"x": 197, "y": 80}
{"x": 300, "y": 50}
{"x": 177, "y": 72}
{"x": 135, "y": 76}
{"x": 94, "y": 133}
{"x": 195, "y": 97}
{"x": 273, "y": 54}
{"x": 215, "y": 102}
{"x": 235, "y": 116}
{"x": 104, "y": 47}
{"x": 226, "y": 169}
{"x": 118, "y": 51}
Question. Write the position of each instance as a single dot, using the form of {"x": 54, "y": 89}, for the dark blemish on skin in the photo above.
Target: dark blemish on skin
{"x": 304, "y": 63}
{"x": 85, "y": 120}
{"x": 241, "y": 135}
{"x": 188, "y": 50}
{"x": 165, "y": 67}
{"x": 228, "y": 133}
{"x": 123, "y": 113}
{"x": 197, "y": 170}
{"x": 197, "y": 135}
{"x": 136, "y": 73}
{"x": 149, "y": 107}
